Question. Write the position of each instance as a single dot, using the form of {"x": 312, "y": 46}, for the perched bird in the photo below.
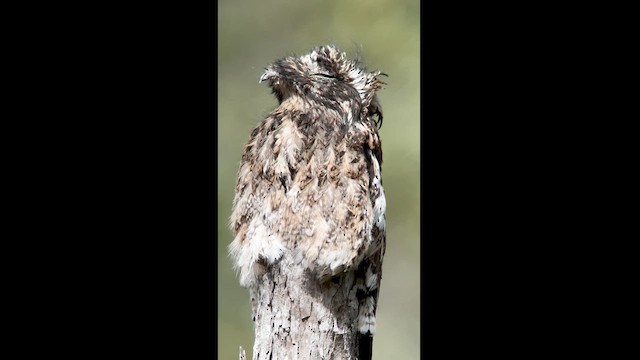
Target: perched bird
{"x": 309, "y": 182}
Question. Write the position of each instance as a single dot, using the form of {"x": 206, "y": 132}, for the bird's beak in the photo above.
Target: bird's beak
{"x": 268, "y": 74}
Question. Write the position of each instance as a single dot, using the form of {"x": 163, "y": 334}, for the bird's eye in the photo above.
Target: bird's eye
{"x": 325, "y": 76}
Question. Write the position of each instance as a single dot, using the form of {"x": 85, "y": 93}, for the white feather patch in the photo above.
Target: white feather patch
{"x": 371, "y": 280}
{"x": 258, "y": 244}
{"x": 366, "y": 319}
{"x": 380, "y": 204}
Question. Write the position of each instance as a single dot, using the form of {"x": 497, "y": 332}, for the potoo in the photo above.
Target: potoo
{"x": 309, "y": 210}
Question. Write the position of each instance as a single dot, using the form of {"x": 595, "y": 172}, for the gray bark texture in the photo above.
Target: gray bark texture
{"x": 298, "y": 317}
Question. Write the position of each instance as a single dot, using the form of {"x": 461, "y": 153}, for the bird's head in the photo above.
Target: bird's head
{"x": 328, "y": 77}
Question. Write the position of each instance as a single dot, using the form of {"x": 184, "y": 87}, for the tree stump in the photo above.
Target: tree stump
{"x": 298, "y": 317}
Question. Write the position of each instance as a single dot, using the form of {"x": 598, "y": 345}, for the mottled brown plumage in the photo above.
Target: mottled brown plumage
{"x": 309, "y": 183}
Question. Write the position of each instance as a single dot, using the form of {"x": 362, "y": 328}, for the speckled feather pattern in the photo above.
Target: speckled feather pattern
{"x": 310, "y": 181}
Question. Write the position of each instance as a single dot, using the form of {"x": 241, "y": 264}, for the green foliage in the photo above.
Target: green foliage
{"x": 251, "y": 35}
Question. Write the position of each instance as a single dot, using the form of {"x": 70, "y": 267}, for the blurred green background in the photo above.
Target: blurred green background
{"x": 251, "y": 35}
